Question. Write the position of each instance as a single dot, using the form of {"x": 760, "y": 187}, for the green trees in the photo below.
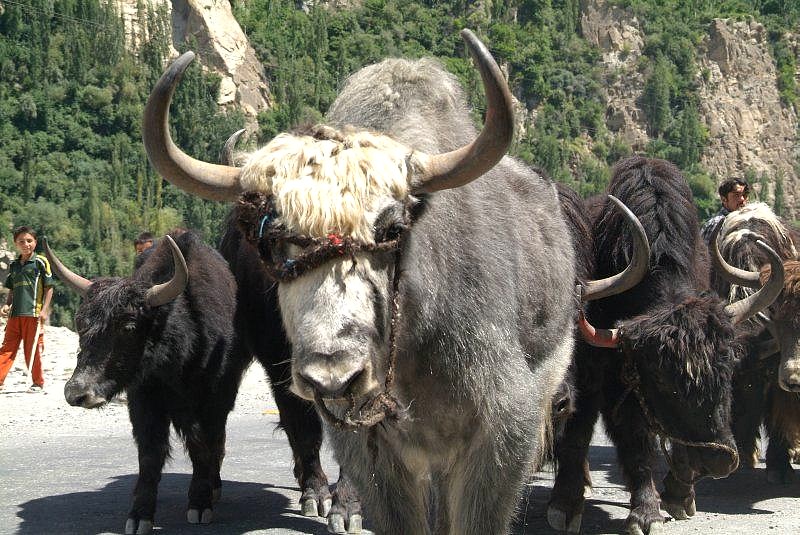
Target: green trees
{"x": 72, "y": 165}
{"x": 72, "y": 94}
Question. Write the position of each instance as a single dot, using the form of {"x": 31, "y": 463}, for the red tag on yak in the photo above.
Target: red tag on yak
{"x": 335, "y": 239}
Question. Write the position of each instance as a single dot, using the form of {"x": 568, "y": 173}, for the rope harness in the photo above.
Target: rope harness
{"x": 257, "y": 210}
{"x": 632, "y": 380}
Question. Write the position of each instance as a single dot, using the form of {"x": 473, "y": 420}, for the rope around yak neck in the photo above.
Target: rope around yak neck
{"x": 632, "y": 380}
{"x": 258, "y": 207}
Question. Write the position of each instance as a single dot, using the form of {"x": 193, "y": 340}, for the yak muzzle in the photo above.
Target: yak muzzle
{"x": 334, "y": 375}
{"x": 789, "y": 375}
{"x": 79, "y": 394}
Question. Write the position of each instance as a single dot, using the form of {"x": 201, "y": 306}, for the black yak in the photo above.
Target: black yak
{"x": 162, "y": 335}
{"x": 671, "y": 375}
{"x": 767, "y": 382}
{"x": 259, "y": 333}
{"x": 425, "y": 283}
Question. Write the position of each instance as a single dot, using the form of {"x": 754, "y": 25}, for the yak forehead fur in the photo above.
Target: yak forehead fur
{"x": 331, "y": 185}
{"x": 692, "y": 337}
{"x": 108, "y": 298}
{"x": 737, "y": 222}
{"x": 758, "y": 218}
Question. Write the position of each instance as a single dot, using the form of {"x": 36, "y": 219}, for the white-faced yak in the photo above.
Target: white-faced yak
{"x": 425, "y": 283}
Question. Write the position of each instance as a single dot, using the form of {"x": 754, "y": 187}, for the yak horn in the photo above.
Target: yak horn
{"x": 637, "y": 268}
{"x": 226, "y": 156}
{"x": 161, "y": 294}
{"x": 461, "y": 166}
{"x": 207, "y": 180}
{"x": 753, "y": 304}
{"x": 71, "y": 279}
{"x": 607, "y": 338}
{"x": 732, "y": 274}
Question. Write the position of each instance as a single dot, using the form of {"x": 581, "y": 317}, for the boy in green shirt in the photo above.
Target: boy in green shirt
{"x": 30, "y": 282}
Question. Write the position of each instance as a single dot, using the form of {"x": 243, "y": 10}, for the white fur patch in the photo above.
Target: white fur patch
{"x": 330, "y": 185}
{"x": 756, "y": 210}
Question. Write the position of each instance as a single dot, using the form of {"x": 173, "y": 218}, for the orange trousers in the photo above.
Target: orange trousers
{"x": 22, "y": 329}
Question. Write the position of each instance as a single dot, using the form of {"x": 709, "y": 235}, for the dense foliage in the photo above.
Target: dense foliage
{"x": 72, "y": 164}
{"x": 72, "y": 93}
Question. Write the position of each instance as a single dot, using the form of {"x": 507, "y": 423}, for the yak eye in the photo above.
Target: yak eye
{"x": 392, "y": 232}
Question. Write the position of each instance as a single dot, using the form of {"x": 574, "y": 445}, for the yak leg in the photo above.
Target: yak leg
{"x": 303, "y": 428}
{"x": 565, "y": 510}
{"x": 204, "y": 459}
{"x": 781, "y": 410}
{"x": 217, "y": 455}
{"x": 151, "y": 431}
{"x": 478, "y": 497}
{"x": 678, "y": 498}
{"x": 395, "y": 497}
{"x": 345, "y": 515}
{"x": 636, "y": 450}
{"x": 748, "y": 413}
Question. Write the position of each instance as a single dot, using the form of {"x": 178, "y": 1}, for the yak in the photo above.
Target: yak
{"x": 424, "y": 282}
{"x": 164, "y": 336}
{"x": 767, "y": 382}
{"x": 259, "y": 333}
{"x": 664, "y": 359}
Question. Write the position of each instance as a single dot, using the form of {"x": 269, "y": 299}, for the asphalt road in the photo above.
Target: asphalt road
{"x": 71, "y": 476}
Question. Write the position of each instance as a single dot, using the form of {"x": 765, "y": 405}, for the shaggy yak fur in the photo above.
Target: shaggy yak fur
{"x": 485, "y": 289}
{"x": 765, "y": 385}
{"x": 173, "y": 360}
{"x": 259, "y": 333}
{"x": 676, "y": 346}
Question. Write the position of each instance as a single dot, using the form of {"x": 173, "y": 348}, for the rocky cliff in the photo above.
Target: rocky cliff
{"x": 221, "y": 46}
{"x": 750, "y": 129}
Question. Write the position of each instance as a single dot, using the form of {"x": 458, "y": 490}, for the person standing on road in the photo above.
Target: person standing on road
{"x": 30, "y": 282}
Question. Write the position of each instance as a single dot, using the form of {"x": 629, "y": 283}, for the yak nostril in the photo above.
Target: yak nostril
{"x": 790, "y": 386}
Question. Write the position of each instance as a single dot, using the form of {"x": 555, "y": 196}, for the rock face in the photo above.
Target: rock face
{"x": 6, "y": 257}
{"x": 220, "y": 44}
{"x": 750, "y": 129}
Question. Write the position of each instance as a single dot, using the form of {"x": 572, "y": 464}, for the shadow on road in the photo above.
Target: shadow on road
{"x": 726, "y": 496}
{"x": 244, "y": 507}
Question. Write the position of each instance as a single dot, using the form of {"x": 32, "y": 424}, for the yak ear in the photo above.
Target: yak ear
{"x": 606, "y": 338}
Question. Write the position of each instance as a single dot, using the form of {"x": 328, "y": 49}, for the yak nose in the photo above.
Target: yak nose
{"x": 790, "y": 384}
{"x": 79, "y": 395}
{"x": 331, "y": 374}
{"x": 789, "y": 376}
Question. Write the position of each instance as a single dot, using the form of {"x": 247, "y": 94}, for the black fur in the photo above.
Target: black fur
{"x": 259, "y": 333}
{"x": 173, "y": 361}
{"x": 675, "y": 334}
{"x": 759, "y": 396}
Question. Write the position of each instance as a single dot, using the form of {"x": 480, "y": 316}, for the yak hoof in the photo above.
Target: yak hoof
{"x": 138, "y": 527}
{"x": 354, "y": 525}
{"x": 309, "y": 507}
{"x": 216, "y": 494}
{"x": 558, "y": 520}
{"x": 336, "y": 524}
{"x": 680, "y": 511}
{"x": 587, "y": 491}
{"x": 193, "y": 516}
{"x": 325, "y": 507}
{"x": 656, "y": 528}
